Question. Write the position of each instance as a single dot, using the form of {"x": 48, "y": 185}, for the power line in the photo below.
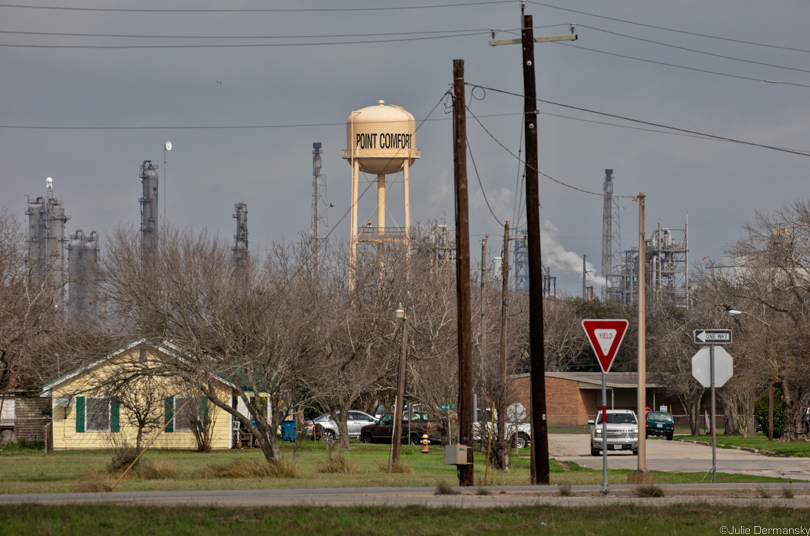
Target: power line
{"x": 694, "y": 50}
{"x": 253, "y": 10}
{"x": 537, "y": 170}
{"x": 143, "y": 36}
{"x": 249, "y": 45}
{"x": 684, "y": 32}
{"x": 707, "y": 71}
{"x": 477, "y": 176}
{"x": 648, "y": 123}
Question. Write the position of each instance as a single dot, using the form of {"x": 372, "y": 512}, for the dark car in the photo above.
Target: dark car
{"x": 383, "y": 429}
{"x": 660, "y": 423}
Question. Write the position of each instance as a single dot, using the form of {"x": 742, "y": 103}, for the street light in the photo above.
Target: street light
{"x": 166, "y": 148}
{"x": 396, "y": 438}
{"x": 734, "y": 312}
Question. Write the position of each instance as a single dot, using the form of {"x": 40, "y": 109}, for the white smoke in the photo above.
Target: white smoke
{"x": 558, "y": 259}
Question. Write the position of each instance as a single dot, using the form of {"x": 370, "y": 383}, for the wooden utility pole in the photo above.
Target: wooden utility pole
{"x": 396, "y": 438}
{"x": 540, "y": 466}
{"x": 643, "y": 476}
{"x": 540, "y": 463}
{"x": 503, "y": 445}
{"x": 483, "y": 305}
{"x": 465, "y": 472}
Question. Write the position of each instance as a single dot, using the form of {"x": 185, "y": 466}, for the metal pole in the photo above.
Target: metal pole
{"x": 604, "y": 434}
{"x": 583, "y": 276}
{"x": 713, "y": 421}
{"x": 540, "y": 473}
{"x": 396, "y": 440}
{"x": 465, "y": 472}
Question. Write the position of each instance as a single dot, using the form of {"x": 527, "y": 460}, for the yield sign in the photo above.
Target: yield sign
{"x": 606, "y": 336}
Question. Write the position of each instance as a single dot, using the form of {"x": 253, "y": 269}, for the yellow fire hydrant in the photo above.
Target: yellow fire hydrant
{"x": 425, "y": 443}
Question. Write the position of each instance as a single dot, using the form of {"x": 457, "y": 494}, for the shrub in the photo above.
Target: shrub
{"x": 649, "y": 490}
{"x": 258, "y": 469}
{"x": 396, "y": 467}
{"x": 338, "y": 464}
{"x": 761, "y": 413}
{"x": 443, "y": 488}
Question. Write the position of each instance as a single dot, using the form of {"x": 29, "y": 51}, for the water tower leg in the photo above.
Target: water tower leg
{"x": 353, "y": 223}
{"x": 381, "y": 221}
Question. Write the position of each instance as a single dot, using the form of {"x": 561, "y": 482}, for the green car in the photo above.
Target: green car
{"x": 660, "y": 423}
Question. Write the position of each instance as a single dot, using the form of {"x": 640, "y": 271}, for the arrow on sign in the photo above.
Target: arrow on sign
{"x": 605, "y": 337}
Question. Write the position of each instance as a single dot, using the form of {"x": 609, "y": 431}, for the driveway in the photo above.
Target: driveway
{"x": 678, "y": 456}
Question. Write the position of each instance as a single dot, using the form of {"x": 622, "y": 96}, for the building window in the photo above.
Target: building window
{"x": 182, "y": 419}
{"x": 97, "y": 414}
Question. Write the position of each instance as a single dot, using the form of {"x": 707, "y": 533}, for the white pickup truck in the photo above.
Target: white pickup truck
{"x": 519, "y": 433}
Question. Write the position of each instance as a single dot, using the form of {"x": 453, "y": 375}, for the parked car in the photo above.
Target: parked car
{"x": 329, "y": 427}
{"x": 622, "y": 431}
{"x": 519, "y": 433}
{"x": 660, "y": 423}
{"x": 383, "y": 430}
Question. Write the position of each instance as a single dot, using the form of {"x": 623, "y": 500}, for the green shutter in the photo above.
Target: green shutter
{"x": 80, "y": 414}
{"x": 115, "y": 410}
{"x": 205, "y": 411}
{"x": 169, "y": 414}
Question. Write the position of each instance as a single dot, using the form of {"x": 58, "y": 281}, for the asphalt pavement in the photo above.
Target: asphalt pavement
{"x": 678, "y": 456}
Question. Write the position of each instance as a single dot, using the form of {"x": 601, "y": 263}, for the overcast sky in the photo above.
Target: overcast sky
{"x": 88, "y": 109}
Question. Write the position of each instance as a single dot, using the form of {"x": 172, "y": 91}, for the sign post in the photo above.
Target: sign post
{"x": 720, "y": 369}
{"x": 605, "y": 337}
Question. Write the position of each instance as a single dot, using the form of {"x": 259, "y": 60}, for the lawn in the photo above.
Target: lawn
{"x": 759, "y": 441}
{"x": 30, "y": 471}
{"x": 203, "y": 521}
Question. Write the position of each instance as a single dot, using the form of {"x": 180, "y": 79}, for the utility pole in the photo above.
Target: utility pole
{"x": 483, "y": 305}
{"x": 540, "y": 472}
{"x": 641, "y": 476}
{"x": 503, "y": 447}
{"x": 583, "y": 276}
{"x": 465, "y": 472}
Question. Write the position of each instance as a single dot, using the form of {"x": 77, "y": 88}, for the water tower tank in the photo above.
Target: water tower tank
{"x": 383, "y": 138}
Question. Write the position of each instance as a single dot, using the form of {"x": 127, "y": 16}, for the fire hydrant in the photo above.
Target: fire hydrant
{"x": 425, "y": 443}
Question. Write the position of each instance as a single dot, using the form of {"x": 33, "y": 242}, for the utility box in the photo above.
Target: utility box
{"x": 455, "y": 455}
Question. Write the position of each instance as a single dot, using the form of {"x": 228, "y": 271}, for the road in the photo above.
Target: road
{"x": 678, "y": 456}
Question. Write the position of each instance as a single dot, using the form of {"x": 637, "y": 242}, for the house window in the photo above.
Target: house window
{"x": 97, "y": 414}
{"x": 183, "y": 419}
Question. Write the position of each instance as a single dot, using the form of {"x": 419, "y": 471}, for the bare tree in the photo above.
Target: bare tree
{"x": 248, "y": 330}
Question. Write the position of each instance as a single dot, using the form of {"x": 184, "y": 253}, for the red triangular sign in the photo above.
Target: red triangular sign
{"x": 605, "y": 336}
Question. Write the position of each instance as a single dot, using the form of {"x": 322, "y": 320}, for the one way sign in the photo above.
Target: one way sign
{"x": 712, "y": 336}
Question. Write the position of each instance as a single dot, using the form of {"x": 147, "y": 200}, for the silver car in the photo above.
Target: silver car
{"x": 329, "y": 427}
{"x": 622, "y": 431}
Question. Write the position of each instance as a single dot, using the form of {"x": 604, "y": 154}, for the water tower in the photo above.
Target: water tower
{"x": 380, "y": 140}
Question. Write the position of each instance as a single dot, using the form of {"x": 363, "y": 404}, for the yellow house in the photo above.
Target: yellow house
{"x": 106, "y": 402}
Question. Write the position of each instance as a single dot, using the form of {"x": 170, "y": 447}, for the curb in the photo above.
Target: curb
{"x": 769, "y": 453}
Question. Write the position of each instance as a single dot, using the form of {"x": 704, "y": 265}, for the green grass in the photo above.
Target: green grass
{"x": 203, "y": 521}
{"x": 759, "y": 441}
{"x": 69, "y": 471}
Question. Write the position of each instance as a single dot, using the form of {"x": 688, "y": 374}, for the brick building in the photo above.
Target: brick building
{"x": 574, "y": 397}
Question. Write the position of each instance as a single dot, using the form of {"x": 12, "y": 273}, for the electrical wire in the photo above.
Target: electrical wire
{"x": 684, "y": 32}
{"x": 254, "y": 10}
{"x": 477, "y": 176}
{"x": 706, "y": 71}
{"x": 537, "y": 170}
{"x": 694, "y": 50}
{"x": 316, "y": 36}
{"x": 649, "y": 123}
{"x": 244, "y": 45}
